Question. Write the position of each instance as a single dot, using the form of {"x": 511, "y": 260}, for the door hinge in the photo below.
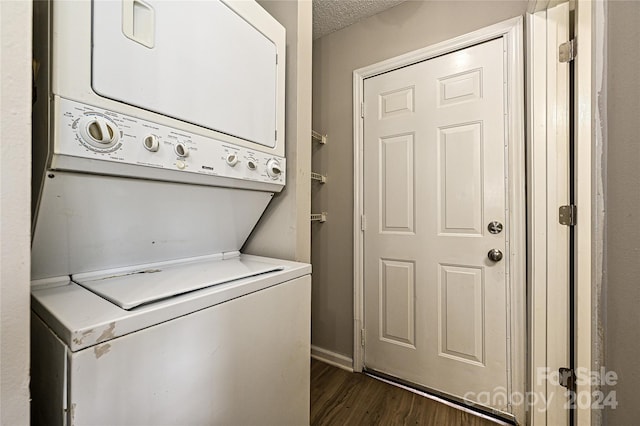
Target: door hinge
{"x": 567, "y": 51}
{"x": 362, "y": 336}
{"x": 567, "y": 378}
{"x": 361, "y": 109}
{"x": 568, "y": 215}
{"x": 363, "y": 222}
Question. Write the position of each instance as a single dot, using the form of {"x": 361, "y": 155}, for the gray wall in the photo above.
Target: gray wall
{"x": 284, "y": 230}
{"x": 622, "y": 189}
{"x": 409, "y": 26}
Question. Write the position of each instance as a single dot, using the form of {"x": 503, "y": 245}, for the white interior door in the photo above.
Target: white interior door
{"x": 435, "y": 166}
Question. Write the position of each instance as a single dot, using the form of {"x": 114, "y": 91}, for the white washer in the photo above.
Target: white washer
{"x": 158, "y": 144}
{"x": 233, "y": 353}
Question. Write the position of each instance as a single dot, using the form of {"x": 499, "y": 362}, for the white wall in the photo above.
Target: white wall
{"x": 284, "y": 230}
{"x": 404, "y": 28}
{"x": 15, "y": 194}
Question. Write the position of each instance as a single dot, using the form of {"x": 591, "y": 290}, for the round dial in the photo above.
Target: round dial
{"x": 98, "y": 131}
{"x": 181, "y": 150}
{"x": 273, "y": 168}
{"x": 232, "y": 159}
{"x": 151, "y": 143}
{"x": 252, "y": 164}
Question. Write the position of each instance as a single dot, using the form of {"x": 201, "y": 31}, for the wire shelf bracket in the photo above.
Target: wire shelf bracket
{"x": 317, "y": 176}
{"x": 319, "y": 217}
{"x": 318, "y": 137}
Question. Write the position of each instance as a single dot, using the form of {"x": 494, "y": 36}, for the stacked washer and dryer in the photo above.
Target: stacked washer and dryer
{"x": 158, "y": 144}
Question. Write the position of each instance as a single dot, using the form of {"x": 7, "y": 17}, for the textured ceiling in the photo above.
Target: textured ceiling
{"x": 332, "y": 15}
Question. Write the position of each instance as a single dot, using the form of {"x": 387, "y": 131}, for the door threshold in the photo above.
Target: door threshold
{"x": 498, "y": 417}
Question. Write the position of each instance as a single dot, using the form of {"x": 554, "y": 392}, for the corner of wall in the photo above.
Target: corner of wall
{"x": 15, "y": 196}
{"x": 599, "y": 202}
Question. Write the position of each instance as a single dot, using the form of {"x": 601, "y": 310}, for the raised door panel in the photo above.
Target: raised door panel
{"x": 460, "y": 179}
{"x": 397, "y": 302}
{"x": 396, "y": 102}
{"x": 461, "y": 87}
{"x": 397, "y": 184}
{"x": 461, "y": 313}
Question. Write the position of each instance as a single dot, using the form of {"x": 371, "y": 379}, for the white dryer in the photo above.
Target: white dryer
{"x": 158, "y": 144}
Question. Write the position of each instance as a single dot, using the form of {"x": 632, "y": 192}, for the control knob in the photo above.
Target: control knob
{"x": 232, "y": 159}
{"x": 181, "y": 150}
{"x": 252, "y": 164}
{"x": 151, "y": 143}
{"x": 98, "y": 131}
{"x": 273, "y": 168}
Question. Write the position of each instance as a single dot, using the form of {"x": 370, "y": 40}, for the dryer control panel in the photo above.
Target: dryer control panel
{"x": 93, "y": 133}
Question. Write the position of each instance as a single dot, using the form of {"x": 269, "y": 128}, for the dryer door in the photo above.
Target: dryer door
{"x": 197, "y": 61}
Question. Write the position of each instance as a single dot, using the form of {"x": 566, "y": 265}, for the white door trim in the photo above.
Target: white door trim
{"x": 511, "y": 31}
{"x": 589, "y": 19}
{"x": 589, "y": 28}
{"x": 548, "y": 188}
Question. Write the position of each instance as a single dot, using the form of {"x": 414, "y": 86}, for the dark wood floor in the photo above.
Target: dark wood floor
{"x": 339, "y": 397}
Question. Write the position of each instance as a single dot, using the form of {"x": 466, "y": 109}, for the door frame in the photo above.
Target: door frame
{"x": 548, "y": 177}
{"x": 589, "y": 29}
{"x": 512, "y": 32}
{"x": 590, "y": 76}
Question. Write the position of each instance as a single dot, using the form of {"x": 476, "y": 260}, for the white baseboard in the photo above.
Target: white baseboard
{"x": 332, "y": 358}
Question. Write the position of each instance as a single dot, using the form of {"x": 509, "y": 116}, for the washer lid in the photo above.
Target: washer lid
{"x": 154, "y": 282}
